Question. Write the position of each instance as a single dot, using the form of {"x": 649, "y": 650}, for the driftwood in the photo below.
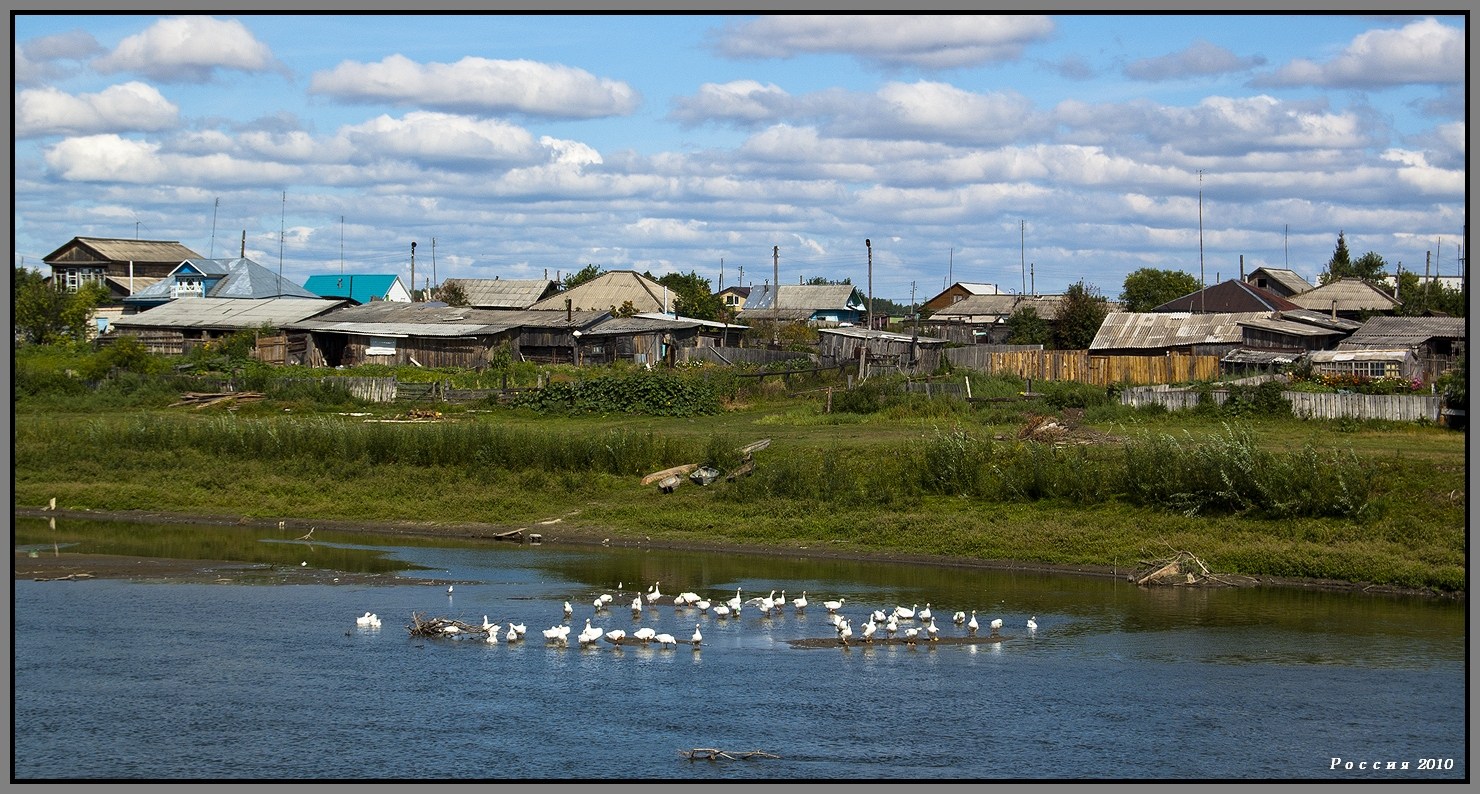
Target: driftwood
{"x": 71, "y": 577}
{"x": 207, "y": 399}
{"x": 676, "y": 471}
{"x": 715, "y": 754}
{"x": 1183, "y": 569}
{"x": 446, "y": 628}
{"x": 670, "y": 478}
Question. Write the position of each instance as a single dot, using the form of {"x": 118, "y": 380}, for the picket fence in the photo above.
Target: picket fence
{"x": 1306, "y": 405}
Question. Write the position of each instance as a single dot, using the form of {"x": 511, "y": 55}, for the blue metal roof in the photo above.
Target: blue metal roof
{"x": 359, "y": 287}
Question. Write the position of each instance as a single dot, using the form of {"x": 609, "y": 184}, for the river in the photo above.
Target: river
{"x": 238, "y": 679}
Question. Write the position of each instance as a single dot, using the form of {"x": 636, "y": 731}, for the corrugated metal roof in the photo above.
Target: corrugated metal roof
{"x": 389, "y": 318}
{"x": 131, "y": 285}
{"x": 612, "y": 289}
{"x": 1292, "y": 328}
{"x": 113, "y": 249}
{"x": 1293, "y": 282}
{"x": 779, "y": 315}
{"x": 495, "y": 293}
{"x": 1350, "y": 295}
{"x": 228, "y": 313}
{"x": 1249, "y": 355}
{"x": 1394, "y": 332}
{"x": 813, "y": 297}
{"x": 1322, "y": 319}
{"x": 863, "y": 333}
{"x": 359, "y": 287}
{"x": 238, "y": 278}
{"x": 990, "y": 306}
{"x": 1161, "y": 330}
{"x": 1328, "y": 356}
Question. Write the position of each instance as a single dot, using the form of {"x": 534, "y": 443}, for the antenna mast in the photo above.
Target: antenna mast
{"x": 213, "y": 226}
{"x": 1201, "y": 270}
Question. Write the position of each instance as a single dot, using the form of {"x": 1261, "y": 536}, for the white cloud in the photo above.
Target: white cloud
{"x": 188, "y": 49}
{"x": 740, "y": 101}
{"x": 128, "y": 107}
{"x": 38, "y": 60}
{"x": 1427, "y": 51}
{"x": 932, "y": 42}
{"x": 1215, "y": 125}
{"x": 1200, "y": 58}
{"x": 480, "y": 86}
{"x": 441, "y": 137}
{"x": 941, "y": 112}
{"x": 111, "y": 158}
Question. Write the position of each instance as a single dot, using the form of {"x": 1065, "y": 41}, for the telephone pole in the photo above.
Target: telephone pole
{"x": 1202, "y": 275}
{"x": 1023, "y": 253}
{"x": 413, "y": 271}
{"x": 776, "y": 295}
{"x": 870, "y": 314}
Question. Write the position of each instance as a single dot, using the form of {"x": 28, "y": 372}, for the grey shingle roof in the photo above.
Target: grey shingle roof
{"x": 811, "y": 297}
{"x": 984, "y": 306}
{"x": 240, "y": 278}
{"x": 610, "y": 289}
{"x": 1161, "y": 330}
{"x": 1291, "y": 281}
{"x": 393, "y": 318}
{"x": 113, "y": 249}
{"x": 1395, "y": 332}
{"x": 493, "y": 293}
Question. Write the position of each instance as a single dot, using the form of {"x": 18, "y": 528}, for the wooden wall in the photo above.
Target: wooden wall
{"x": 1080, "y": 366}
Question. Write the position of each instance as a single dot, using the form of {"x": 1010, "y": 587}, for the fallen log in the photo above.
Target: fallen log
{"x": 716, "y": 754}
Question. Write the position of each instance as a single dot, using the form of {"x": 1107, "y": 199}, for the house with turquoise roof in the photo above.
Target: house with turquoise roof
{"x": 359, "y": 287}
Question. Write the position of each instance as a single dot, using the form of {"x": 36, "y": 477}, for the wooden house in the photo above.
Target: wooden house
{"x": 982, "y": 319}
{"x": 815, "y": 304}
{"x": 1438, "y": 343}
{"x": 1281, "y": 281}
{"x": 912, "y": 355}
{"x": 651, "y": 338}
{"x": 239, "y": 279}
{"x": 1272, "y": 343}
{"x": 956, "y": 293}
{"x": 124, "y": 266}
{"x": 177, "y": 326}
{"x": 1160, "y": 333}
{"x": 436, "y": 335}
{"x": 734, "y": 298}
{"x": 609, "y": 292}
{"x": 1228, "y": 297}
{"x": 1368, "y": 363}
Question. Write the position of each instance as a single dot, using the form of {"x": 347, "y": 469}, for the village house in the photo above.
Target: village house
{"x": 359, "y": 287}
{"x": 1436, "y": 343}
{"x": 814, "y": 304}
{"x": 610, "y": 292}
{"x": 1281, "y": 281}
{"x": 734, "y": 298}
{"x": 178, "y": 326}
{"x": 905, "y": 353}
{"x": 1230, "y": 296}
{"x": 982, "y": 319}
{"x": 236, "y": 279}
{"x": 651, "y": 338}
{"x": 124, "y": 266}
{"x": 1352, "y": 298}
{"x": 956, "y": 293}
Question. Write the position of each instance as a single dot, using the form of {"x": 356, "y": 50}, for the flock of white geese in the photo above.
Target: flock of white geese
{"x": 889, "y": 622}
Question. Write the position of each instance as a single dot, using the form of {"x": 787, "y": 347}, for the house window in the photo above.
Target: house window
{"x": 381, "y": 346}
{"x": 188, "y": 287}
{"x": 74, "y": 278}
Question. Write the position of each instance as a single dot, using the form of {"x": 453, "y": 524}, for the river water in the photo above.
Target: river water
{"x": 117, "y": 679}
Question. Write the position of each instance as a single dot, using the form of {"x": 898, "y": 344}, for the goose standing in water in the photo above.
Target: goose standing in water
{"x": 589, "y": 634}
{"x": 958, "y": 618}
{"x": 834, "y": 606}
{"x": 365, "y": 620}
{"x": 996, "y": 626}
{"x": 905, "y": 614}
{"x": 925, "y": 614}
{"x": 735, "y": 602}
{"x": 568, "y": 610}
{"x": 800, "y": 603}
{"x": 1033, "y": 623}
{"x": 667, "y": 640}
{"x": 645, "y": 635}
{"x": 868, "y": 631}
{"x": 973, "y": 625}
{"x": 653, "y": 594}
{"x": 698, "y": 638}
{"x": 615, "y": 636}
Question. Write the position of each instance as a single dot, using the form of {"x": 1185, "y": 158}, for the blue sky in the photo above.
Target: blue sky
{"x": 971, "y": 149}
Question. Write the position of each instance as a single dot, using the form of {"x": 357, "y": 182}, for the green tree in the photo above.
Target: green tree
{"x": 1340, "y": 265}
{"x": 1147, "y": 288}
{"x": 580, "y": 277}
{"x": 1081, "y": 313}
{"x": 44, "y": 314}
{"x": 692, "y": 296}
{"x": 452, "y": 294}
{"x": 1025, "y": 327}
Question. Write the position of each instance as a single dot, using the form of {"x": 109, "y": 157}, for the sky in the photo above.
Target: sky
{"x": 901, "y": 153}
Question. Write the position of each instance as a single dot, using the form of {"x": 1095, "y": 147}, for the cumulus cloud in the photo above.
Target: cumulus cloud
{"x": 941, "y": 112}
{"x": 1216, "y": 125}
{"x": 45, "y": 58}
{"x": 930, "y": 42}
{"x": 442, "y": 138}
{"x": 741, "y": 102}
{"x": 188, "y": 50}
{"x": 128, "y": 107}
{"x": 113, "y": 159}
{"x": 1426, "y": 51}
{"x": 1199, "y": 59}
{"x": 480, "y": 85}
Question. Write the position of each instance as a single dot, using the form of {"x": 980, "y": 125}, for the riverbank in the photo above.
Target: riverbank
{"x": 555, "y": 532}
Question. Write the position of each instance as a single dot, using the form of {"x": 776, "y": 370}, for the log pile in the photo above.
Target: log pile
{"x": 1183, "y": 569}
{"x": 446, "y": 628}
{"x": 207, "y": 399}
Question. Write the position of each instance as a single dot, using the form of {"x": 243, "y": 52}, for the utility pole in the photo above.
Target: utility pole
{"x": 776, "y": 295}
{"x": 914, "y": 328}
{"x": 721, "y": 274}
{"x": 214, "y": 213}
{"x": 1023, "y": 254}
{"x": 434, "y": 260}
{"x": 1033, "y": 276}
{"x": 870, "y": 246}
{"x": 341, "y": 245}
{"x": 950, "y": 269}
{"x": 413, "y": 271}
{"x": 244, "y": 244}
{"x": 282, "y": 232}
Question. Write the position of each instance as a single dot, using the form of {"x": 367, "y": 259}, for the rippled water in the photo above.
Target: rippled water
{"x": 117, "y": 679}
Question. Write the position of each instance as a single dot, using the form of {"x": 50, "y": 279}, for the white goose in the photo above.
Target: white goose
{"x": 845, "y": 630}
{"x": 868, "y": 631}
{"x": 779, "y": 603}
{"x": 653, "y": 594}
{"x": 366, "y": 619}
{"x": 996, "y": 625}
{"x": 834, "y": 606}
{"x": 905, "y": 614}
{"x": 925, "y": 614}
{"x": 911, "y": 634}
{"x": 589, "y": 634}
{"x": 512, "y": 636}
{"x": 891, "y": 627}
{"x": 735, "y": 602}
{"x": 568, "y": 610}
{"x": 931, "y": 631}
{"x": 878, "y": 616}
{"x": 800, "y": 603}
{"x": 615, "y": 636}
{"x": 667, "y": 640}
{"x": 972, "y": 626}
{"x": 637, "y": 605}
{"x": 958, "y": 618}
{"x": 1033, "y": 623}
{"x": 556, "y": 633}
{"x": 702, "y": 604}
{"x": 519, "y": 628}
{"x": 722, "y": 611}
{"x": 488, "y": 626}
{"x": 606, "y": 598}
{"x": 645, "y": 634}
{"x": 698, "y": 638}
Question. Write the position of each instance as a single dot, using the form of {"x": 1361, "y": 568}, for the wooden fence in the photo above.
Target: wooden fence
{"x": 1306, "y": 405}
{"x": 740, "y": 355}
{"x": 1080, "y": 366}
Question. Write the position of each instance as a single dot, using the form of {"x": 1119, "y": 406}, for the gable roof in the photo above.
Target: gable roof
{"x": 992, "y": 307}
{"x": 609, "y": 289}
{"x": 1229, "y": 296}
{"x": 888, "y": 336}
{"x": 495, "y": 293}
{"x": 1291, "y": 281}
{"x": 1162, "y": 330}
{"x": 395, "y": 318}
{"x": 112, "y": 249}
{"x": 237, "y": 278}
{"x": 814, "y": 297}
{"x": 227, "y": 313}
{"x": 358, "y": 287}
{"x": 1349, "y": 295}
{"x": 1399, "y": 332}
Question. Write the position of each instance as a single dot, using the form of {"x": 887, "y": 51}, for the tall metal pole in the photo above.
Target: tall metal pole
{"x": 1201, "y": 271}
{"x": 282, "y": 232}
{"x": 341, "y": 245}
{"x": 870, "y": 246}
{"x": 1023, "y": 254}
{"x": 214, "y": 213}
{"x": 776, "y": 296}
{"x": 413, "y": 271}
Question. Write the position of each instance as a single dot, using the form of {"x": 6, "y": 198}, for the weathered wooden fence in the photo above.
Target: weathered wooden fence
{"x": 739, "y": 355}
{"x": 1306, "y": 405}
{"x": 1079, "y": 365}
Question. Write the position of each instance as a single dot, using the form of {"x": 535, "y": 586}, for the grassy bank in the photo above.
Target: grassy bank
{"x": 1367, "y": 502}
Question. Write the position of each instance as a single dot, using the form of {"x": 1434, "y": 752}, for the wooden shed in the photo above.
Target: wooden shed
{"x": 911, "y": 355}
